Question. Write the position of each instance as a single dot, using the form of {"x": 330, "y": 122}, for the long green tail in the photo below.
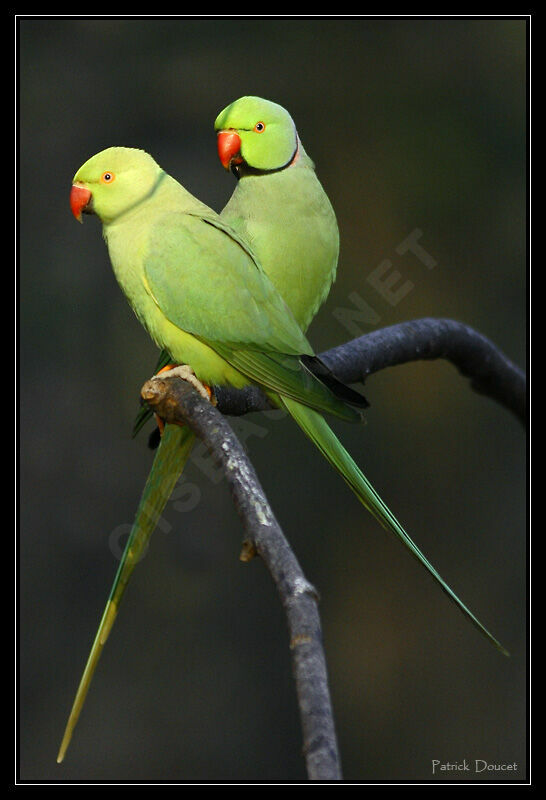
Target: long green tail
{"x": 317, "y": 429}
{"x": 170, "y": 459}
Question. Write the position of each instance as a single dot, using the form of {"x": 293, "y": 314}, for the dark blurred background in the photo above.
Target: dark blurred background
{"x": 412, "y": 124}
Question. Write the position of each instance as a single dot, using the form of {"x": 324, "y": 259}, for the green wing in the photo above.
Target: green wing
{"x": 212, "y": 287}
{"x": 207, "y": 283}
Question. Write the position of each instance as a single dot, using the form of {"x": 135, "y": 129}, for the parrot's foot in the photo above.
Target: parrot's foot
{"x": 159, "y": 421}
{"x": 160, "y": 425}
{"x": 185, "y": 372}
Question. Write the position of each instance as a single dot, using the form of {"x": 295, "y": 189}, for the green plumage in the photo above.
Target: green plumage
{"x": 280, "y": 207}
{"x": 295, "y": 203}
{"x": 203, "y": 296}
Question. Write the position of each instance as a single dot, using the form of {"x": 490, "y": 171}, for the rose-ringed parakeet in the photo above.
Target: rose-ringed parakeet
{"x": 279, "y": 206}
{"x": 202, "y": 296}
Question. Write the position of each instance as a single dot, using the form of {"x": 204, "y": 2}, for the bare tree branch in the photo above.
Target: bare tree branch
{"x": 490, "y": 372}
{"x": 177, "y": 402}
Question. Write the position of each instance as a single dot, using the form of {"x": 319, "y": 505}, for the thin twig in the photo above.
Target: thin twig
{"x": 490, "y": 372}
{"x": 177, "y": 402}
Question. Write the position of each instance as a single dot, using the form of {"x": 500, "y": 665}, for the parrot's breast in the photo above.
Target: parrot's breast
{"x": 288, "y": 221}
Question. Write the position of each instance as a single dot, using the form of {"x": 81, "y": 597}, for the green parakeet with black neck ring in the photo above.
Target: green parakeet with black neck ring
{"x": 279, "y": 206}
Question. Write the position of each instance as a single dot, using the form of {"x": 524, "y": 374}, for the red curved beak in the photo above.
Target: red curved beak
{"x": 79, "y": 199}
{"x": 229, "y": 148}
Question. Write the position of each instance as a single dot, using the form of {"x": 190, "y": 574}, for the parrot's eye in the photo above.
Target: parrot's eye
{"x": 259, "y": 127}
{"x": 107, "y": 177}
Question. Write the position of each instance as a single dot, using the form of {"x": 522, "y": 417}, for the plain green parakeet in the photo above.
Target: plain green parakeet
{"x": 202, "y": 295}
{"x": 279, "y": 206}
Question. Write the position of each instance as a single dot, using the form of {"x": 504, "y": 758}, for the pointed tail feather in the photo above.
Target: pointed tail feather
{"x": 319, "y": 369}
{"x": 170, "y": 459}
{"x": 317, "y": 429}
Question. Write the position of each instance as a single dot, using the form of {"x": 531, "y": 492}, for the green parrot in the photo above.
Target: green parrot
{"x": 202, "y": 295}
{"x": 279, "y": 206}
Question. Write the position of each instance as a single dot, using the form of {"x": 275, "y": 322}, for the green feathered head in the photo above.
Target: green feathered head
{"x": 256, "y": 131}
{"x": 113, "y": 181}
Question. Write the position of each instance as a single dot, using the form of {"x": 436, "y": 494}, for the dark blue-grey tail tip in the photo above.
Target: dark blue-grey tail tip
{"x": 325, "y": 375}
